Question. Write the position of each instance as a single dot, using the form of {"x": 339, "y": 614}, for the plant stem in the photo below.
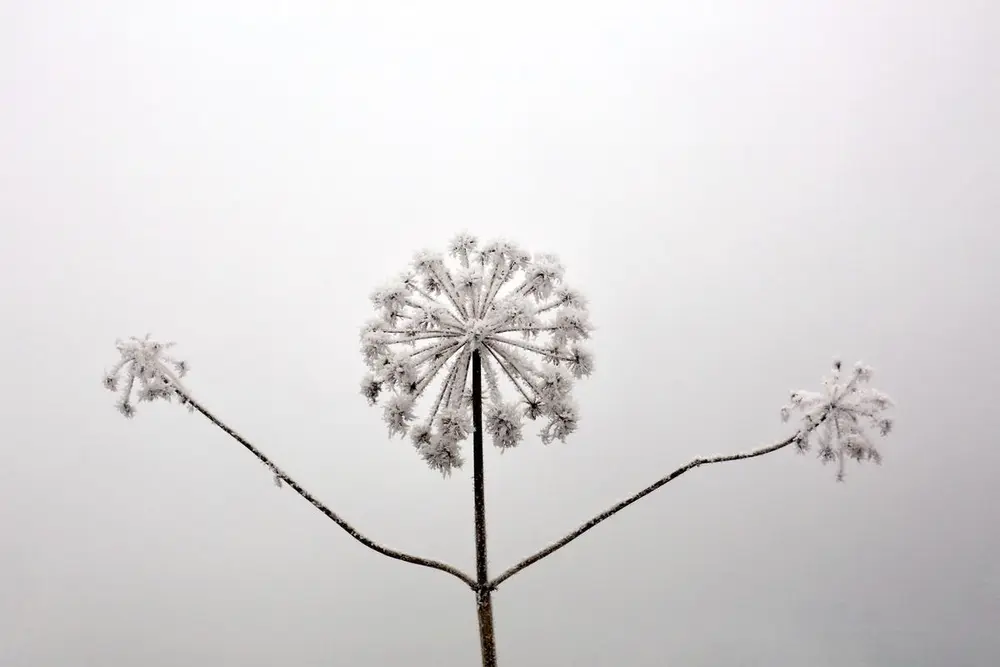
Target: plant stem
{"x": 326, "y": 511}
{"x": 611, "y": 511}
{"x": 484, "y": 602}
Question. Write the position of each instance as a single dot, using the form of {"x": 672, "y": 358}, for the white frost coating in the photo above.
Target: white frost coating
{"x": 496, "y": 299}
{"x": 147, "y": 372}
{"x": 835, "y": 417}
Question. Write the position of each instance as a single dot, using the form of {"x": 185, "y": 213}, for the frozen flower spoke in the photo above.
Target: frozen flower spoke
{"x": 581, "y": 362}
{"x": 835, "y": 418}
{"x": 563, "y": 418}
{"x": 442, "y": 455}
{"x": 503, "y": 423}
{"x": 495, "y": 299}
{"x": 399, "y": 414}
{"x": 510, "y": 375}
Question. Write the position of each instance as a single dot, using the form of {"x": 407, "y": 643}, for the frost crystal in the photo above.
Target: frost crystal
{"x": 145, "y": 373}
{"x": 835, "y": 417}
{"x": 497, "y": 299}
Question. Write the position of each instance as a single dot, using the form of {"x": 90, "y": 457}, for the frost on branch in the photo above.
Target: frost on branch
{"x": 495, "y": 298}
{"x": 836, "y": 417}
{"x": 145, "y": 373}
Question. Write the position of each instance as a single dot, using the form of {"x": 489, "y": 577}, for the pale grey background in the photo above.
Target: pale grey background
{"x": 743, "y": 189}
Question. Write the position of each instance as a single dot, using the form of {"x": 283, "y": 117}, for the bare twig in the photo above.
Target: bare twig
{"x": 611, "y": 511}
{"x": 330, "y": 514}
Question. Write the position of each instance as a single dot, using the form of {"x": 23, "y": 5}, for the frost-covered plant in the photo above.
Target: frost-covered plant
{"x": 495, "y": 315}
{"x": 492, "y": 312}
{"x": 842, "y": 409}
{"x": 149, "y": 374}
{"x": 500, "y": 301}
{"x": 155, "y": 375}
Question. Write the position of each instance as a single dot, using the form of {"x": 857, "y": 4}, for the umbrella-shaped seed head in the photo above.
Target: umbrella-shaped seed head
{"x": 835, "y": 418}
{"x": 495, "y": 299}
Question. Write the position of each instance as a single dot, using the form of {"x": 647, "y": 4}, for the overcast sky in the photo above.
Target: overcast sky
{"x": 743, "y": 190}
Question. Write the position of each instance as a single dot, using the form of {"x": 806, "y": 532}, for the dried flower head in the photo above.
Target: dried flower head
{"x": 836, "y": 417}
{"x": 499, "y": 300}
{"x": 145, "y": 373}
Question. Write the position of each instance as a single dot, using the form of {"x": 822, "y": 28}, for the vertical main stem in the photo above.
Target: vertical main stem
{"x": 484, "y": 601}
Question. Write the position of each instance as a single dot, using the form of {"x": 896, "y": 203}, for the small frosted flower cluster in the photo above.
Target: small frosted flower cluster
{"x": 836, "y": 417}
{"x": 145, "y": 373}
{"x": 498, "y": 299}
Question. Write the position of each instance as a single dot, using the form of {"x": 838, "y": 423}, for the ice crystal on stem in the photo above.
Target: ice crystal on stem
{"x": 145, "y": 373}
{"x": 497, "y": 299}
{"x": 836, "y": 416}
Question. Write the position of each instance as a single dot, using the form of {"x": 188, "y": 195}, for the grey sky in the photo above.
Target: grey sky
{"x": 743, "y": 189}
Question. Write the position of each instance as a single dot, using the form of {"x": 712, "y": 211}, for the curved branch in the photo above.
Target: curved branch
{"x": 330, "y": 514}
{"x": 611, "y": 511}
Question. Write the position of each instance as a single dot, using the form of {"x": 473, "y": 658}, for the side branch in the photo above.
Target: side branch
{"x": 607, "y": 514}
{"x": 330, "y": 514}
